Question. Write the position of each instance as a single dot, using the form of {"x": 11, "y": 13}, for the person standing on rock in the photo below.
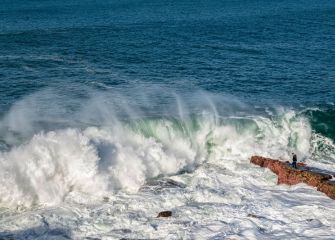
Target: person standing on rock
{"x": 294, "y": 160}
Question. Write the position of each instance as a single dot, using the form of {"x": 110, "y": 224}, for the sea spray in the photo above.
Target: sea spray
{"x": 103, "y": 160}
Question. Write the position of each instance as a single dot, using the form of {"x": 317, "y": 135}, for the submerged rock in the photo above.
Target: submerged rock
{"x": 164, "y": 214}
{"x": 254, "y": 216}
{"x": 288, "y": 175}
{"x": 159, "y": 185}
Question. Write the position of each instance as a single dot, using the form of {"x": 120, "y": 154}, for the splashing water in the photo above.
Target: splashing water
{"x": 102, "y": 160}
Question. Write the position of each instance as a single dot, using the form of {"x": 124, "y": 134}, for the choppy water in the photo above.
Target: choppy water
{"x": 113, "y": 111}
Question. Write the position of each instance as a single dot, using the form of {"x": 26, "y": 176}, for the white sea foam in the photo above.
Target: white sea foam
{"x": 99, "y": 160}
{"x": 95, "y": 181}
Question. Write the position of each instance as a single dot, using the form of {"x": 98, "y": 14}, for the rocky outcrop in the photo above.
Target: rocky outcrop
{"x": 165, "y": 214}
{"x": 288, "y": 175}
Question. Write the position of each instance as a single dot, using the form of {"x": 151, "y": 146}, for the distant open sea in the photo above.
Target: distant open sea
{"x": 111, "y": 111}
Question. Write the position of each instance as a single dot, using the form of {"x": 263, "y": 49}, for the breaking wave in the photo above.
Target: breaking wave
{"x": 98, "y": 160}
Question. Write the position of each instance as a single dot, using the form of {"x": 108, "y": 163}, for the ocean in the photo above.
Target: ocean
{"x": 112, "y": 111}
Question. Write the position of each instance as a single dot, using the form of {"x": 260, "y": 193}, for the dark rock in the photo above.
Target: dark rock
{"x": 164, "y": 214}
{"x": 288, "y": 175}
{"x": 254, "y": 216}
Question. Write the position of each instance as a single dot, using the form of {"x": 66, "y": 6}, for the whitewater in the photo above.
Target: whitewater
{"x": 113, "y": 111}
{"x": 109, "y": 178}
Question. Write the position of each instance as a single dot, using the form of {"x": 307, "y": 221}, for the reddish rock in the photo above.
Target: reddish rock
{"x": 301, "y": 164}
{"x": 288, "y": 175}
{"x": 165, "y": 214}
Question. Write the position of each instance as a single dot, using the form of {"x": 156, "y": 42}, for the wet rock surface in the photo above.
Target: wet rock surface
{"x": 164, "y": 214}
{"x": 304, "y": 174}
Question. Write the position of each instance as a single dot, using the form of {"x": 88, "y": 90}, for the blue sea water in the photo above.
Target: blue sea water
{"x": 141, "y": 63}
{"x": 268, "y": 51}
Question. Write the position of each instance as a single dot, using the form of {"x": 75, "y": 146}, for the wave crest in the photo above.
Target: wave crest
{"x": 101, "y": 160}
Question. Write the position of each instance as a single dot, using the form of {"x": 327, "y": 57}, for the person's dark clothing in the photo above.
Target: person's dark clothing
{"x": 294, "y": 161}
